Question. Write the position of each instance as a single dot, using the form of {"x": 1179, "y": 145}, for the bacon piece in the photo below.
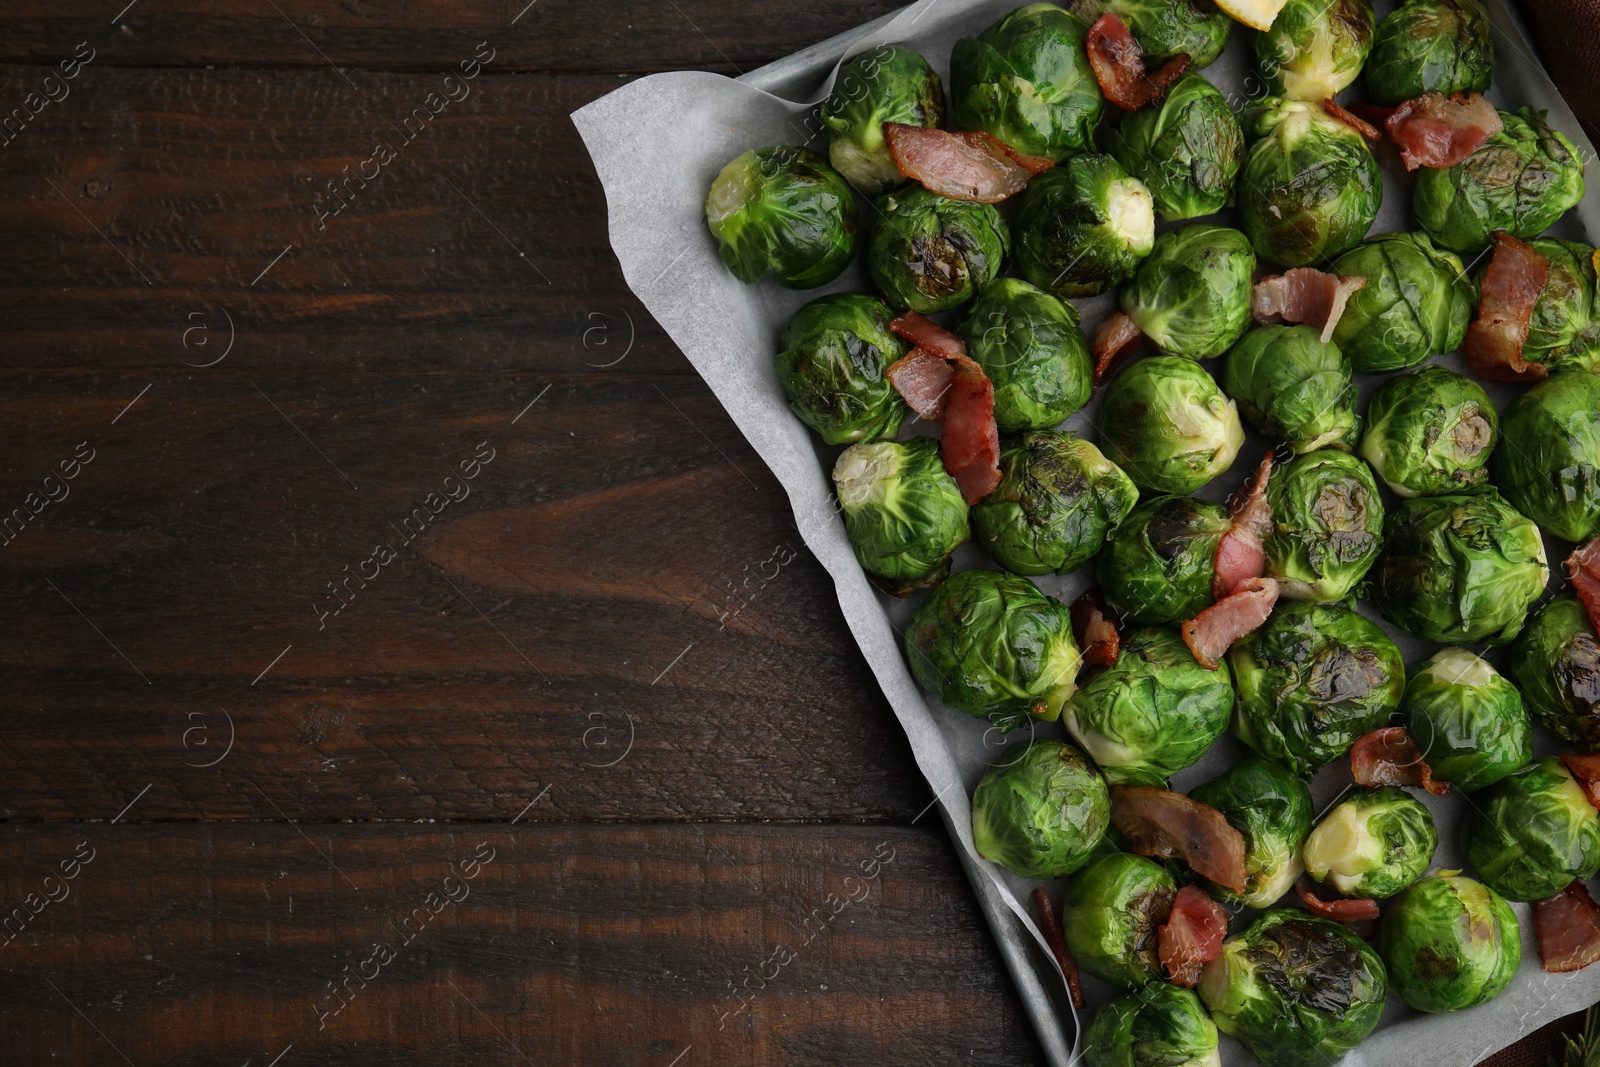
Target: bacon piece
{"x": 1517, "y": 274}
{"x": 1034, "y": 165}
{"x": 1095, "y": 630}
{"x": 1586, "y": 769}
{"x": 1304, "y": 295}
{"x": 1373, "y": 114}
{"x": 1348, "y": 910}
{"x": 925, "y": 333}
{"x": 1569, "y": 929}
{"x": 1118, "y": 64}
{"x": 1388, "y": 756}
{"x": 970, "y": 444}
{"x": 1434, "y": 130}
{"x": 1159, "y": 822}
{"x": 1058, "y": 945}
{"x": 1192, "y": 935}
{"x": 1116, "y": 334}
{"x": 973, "y": 166}
{"x": 1583, "y": 566}
{"x": 923, "y": 381}
{"x": 1355, "y": 122}
{"x": 1212, "y": 632}
{"x": 1242, "y": 553}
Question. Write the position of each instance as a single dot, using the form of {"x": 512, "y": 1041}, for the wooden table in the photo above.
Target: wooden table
{"x": 385, "y": 682}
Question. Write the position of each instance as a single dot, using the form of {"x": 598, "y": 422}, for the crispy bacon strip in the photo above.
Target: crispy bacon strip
{"x": 1192, "y": 935}
{"x": 1095, "y": 630}
{"x": 1586, "y": 769}
{"x": 1517, "y": 274}
{"x": 923, "y": 381}
{"x": 1569, "y": 929}
{"x": 970, "y": 443}
{"x": 1115, "y": 335}
{"x": 1058, "y": 945}
{"x": 1434, "y": 130}
{"x": 1118, "y": 64}
{"x": 1212, "y": 632}
{"x": 925, "y": 333}
{"x": 1242, "y": 553}
{"x": 1584, "y": 568}
{"x": 1388, "y": 756}
{"x": 973, "y": 166}
{"x": 1355, "y": 122}
{"x": 1304, "y": 295}
{"x": 1159, "y": 822}
{"x": 1349, "y": 910}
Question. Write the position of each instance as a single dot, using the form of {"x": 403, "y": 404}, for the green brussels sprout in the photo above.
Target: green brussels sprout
{"x": 1468, "y": 722}
{"x": 1372, "y": 844}
{"x": 1430, "y": 44}
{"x": 1533, "y": 832}
{"x": 991, "y": 645}
{"x": 1027, "y": 80}
{"x": 1449, "y": 943}
{"x": 1186, "y": 148}
{"x": 1159, "y": 1026}
{"x": 1315, "y": 48}
{"x": 1556, "y": 663}
{"x": 1158, "y": 565}
{"x": 1042, "y": 814}
{"x": 1165, "y": 423}
{"x": 888, "y": 84}
{"x": 1271, "y": 809}
{"x": 1296, "y": 990}
{"x": 1113, "y": 916}
{"x": 1163, "y": 28}
{"x": 1191, "y": 295}
{"x": 1310, "y": 188}
{"x": 1029, "y": 345}
{"x": 835, "y": 352}
{"x": 903, "y": 512}
{"x": 1550, "y": 464}
{"x": 782, "y": 211}
{"x": 1153, "y": 712}
{"x": 1459, "y": 567}
{"x": 1565, "y": 329}
{"x": 1523, "y": 179}
{"x": 1327, "y": 525}
{"x": 1312, "y": 679}
{"x": 929, "y": 253}
{"x": 1057, "y": 501}
{"x": 1292, "y": 386}
{"x": 1430, "y": 432}
{"x": 1417, "y": 302}
{"x": 1083, "y": 226}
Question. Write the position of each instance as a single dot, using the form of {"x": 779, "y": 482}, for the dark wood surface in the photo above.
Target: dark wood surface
{"x": 689, "y": 791}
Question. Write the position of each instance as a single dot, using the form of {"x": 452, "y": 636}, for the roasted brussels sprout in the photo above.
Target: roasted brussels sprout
{"x": 888, "y": 84}
{"x": 782, "y": 211}
{"x": 1327, "y": 525}
{"x": 1296, "y": 990}
{"x": 1449, "y": 943}
{"x": 1312, "y": 679}
{"x": 1084, "y": 226}
{"x": 1191, "y": 295}
{"x": 1372, "y": 844}
{"x": 1532, "y": 832}
{"x": 1159, "y": 1026}
{"x": 1430, "y": 432}
{"x": 1430, "y": 44}
{"x": 1029, "y": 345}
{"x": 1417, "y": 302}
{"x": 1556, "y": 663}
{"x": 1165, "y": 422}
{"x": 1158, "y": 565}
{"x": 991, "y": 645}
{"x": 1459, "y": 567}
{"x": 1027, "y": 80}
{"x": 1549, "y": 466}
{"x": 1310, "y": 188}
{"x": 1293, "y": 387}
{"x": 1113, "y": 915}
{"x": 929, "y": 253}
{"x": 1057, "y": 501}
{"x": 1565, "y": 329}
{"x": 1271, "y": 808}
{"x": 1523, "y": 179}
{"x": 1163, "y": 28}
{"x": 903, "y": 512}
{"x": 1468, "y": 722}
{"x": 1315, "y": 48}
{"x": 1040, "y": 815}
{"x": 835, "y": 352}
{"x": 1186, "y": 148}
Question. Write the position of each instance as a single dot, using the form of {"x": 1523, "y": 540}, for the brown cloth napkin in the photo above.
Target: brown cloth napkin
{"x": 1567, "y": 33}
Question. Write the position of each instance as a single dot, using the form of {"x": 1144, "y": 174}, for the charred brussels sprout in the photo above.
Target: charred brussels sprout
{"x": 1159, "y": 1026}
{"x": 1327, "y": 525}
{"x": 1565, "y": 329}
{"x": 1372, "y": 844}
{"x": 1469, "y": 723}
{"x": 1549, "y": 466}
{"x": 1166, "y": 423}
{"x": 1430, "y": 44}
{"x": 1271, "y": 808}
{"x": 1084, "y": 226}
{"x": 1029, "y": 345}
{"x": 782, "y": 211}
{"x": 1430, "y": 432}
{"x": 1417, "y": 302}
{"x": 1532, "y": 832}
{"x": 1158, "y": 565}
{"x": 1040, "y": 815}
{"x": 1186, "y": 149}
{"x": 903, "y": 512}
{"x": 1191, "y": 295}
{"x": 1163, "y": 28}
{"x": 929, "y": 253}
{"x": 1312, "y": 679}
{"x": 1296, "y": 990}
{"x": 888, "y": 84}
{"x": 1556, "y": 663}
{"x": 835, "y": 352}
{"x": 1113, "y": 915}
{"x": 1461, "y": 567}
{"x": 1315, "y": 48}
{"x": 1293, "y": 387}
{"x": 1310, "y": 188}
{"x": 1523, "y": 179}
{"x": 1450, "y": 943}
{"x": 1057, "y": 501}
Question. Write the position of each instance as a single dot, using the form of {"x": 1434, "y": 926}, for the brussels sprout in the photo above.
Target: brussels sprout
{"x": 1164, "y": 28}
{"x": 1327, "y": 522}
{"x": 1532, "y": 832}
{"x": 1041, "y": 815}
{"x": 1029, "y": 345}
{"x": 1417, "y": 302}
{"x": 1292, "y": 386}
{"x": 1296, "y": 990}
{"x": 1186, "y": 149}
{"x": 903, "y": 512}
{"x": 991, "y": 645}
{"x": 1166, "y": 423}
{"x": 1159, "y": 1026}
{"x": 1158, "y": 565}
{"x": 929, "y": 253}
{"x": 1469, "y": 723}
{"x": 1310, "y": 188}
{"x": 1523, "y": 179}
{"x": 782, "y": 211}
{"x": 1372, "y": 844}
{"x": 1459, "y": 567}
{"x": 1027, "y": 80}
{"x": 1084, "y": 226}
{"x": 1312, "y": 679}
{"x": 1191, "y": 295}
{"x": 1565, "y": 328}
{"x": 1550, "y": 464}
{"x": 1315, "y": 48}
{"x": 1057, "y": 501}
{"x": 888, "y": 84}
{"x": 1430, "y": 44}
{"x": 1271, "y": 808}
{"x": 835, "y": 352}
{"x": 1113, "y": 916}
{"x": 1430, "y": 432}
{"x": 1450, "y": 943}
{"x": 1556, "y": 663}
